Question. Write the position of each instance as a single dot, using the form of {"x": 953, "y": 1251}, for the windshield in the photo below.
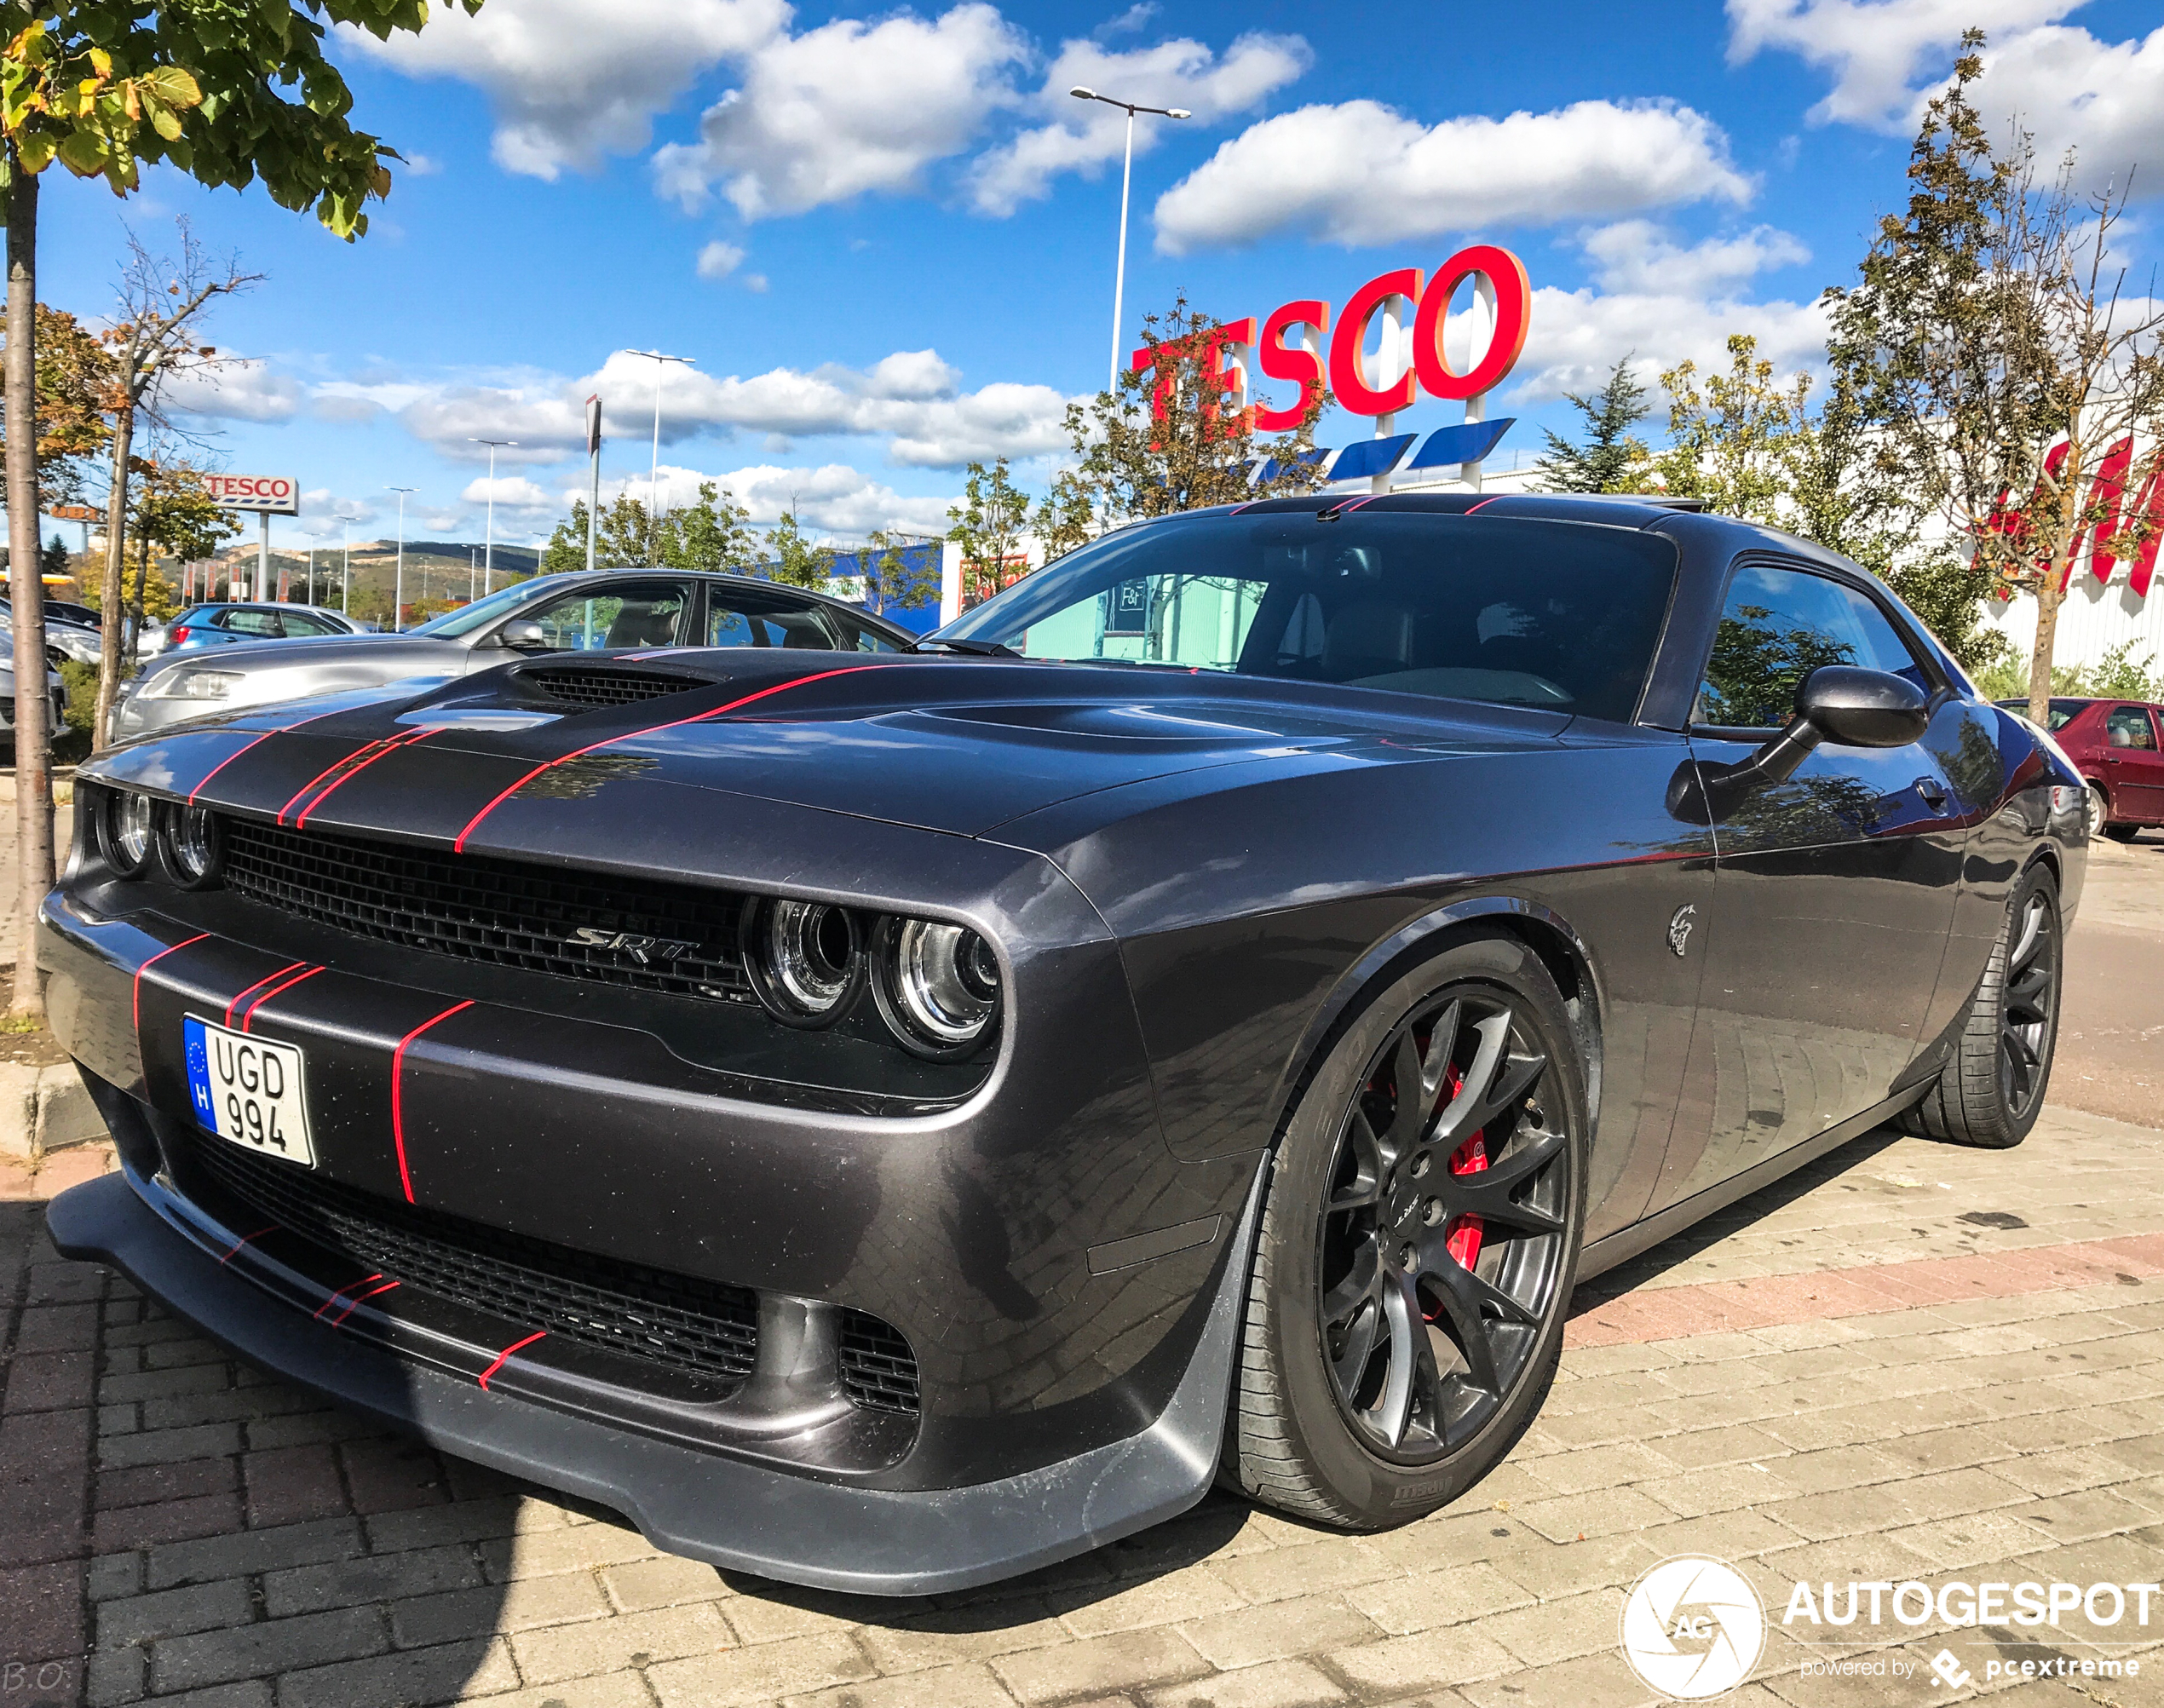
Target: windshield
{"x": 483, "y": 611}
{"x": 1560, "y": 615}
{"x": 2061, "y": 714}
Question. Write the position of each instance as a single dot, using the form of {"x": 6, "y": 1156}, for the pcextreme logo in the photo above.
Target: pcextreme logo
{"x": 1693, "y": 1627}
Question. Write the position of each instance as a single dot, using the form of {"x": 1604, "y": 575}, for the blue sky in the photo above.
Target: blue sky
{"x": 887, "y": 236}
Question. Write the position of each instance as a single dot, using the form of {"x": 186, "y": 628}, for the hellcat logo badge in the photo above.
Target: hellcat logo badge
{"x": 1679, "y": 928}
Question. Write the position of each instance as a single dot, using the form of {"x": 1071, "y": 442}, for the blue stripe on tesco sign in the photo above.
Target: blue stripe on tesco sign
{"x": 275, "y": 492}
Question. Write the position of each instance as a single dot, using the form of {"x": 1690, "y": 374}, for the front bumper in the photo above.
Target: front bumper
{"x": 730, "y": 1514}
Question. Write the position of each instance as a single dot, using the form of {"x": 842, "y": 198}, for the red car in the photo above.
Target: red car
{"x": 2118, "y": 744}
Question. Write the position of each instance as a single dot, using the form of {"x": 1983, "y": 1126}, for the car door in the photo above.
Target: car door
{"x": 2133, "y": 764}
{"x": 1834, "y": 891}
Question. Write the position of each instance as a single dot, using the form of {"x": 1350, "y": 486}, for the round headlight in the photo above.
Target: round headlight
{"x": 806, "y": 960}
{"x": 130, "y": 831}
{"x": 192, "y": 846}
{"x": 938, "y": 985}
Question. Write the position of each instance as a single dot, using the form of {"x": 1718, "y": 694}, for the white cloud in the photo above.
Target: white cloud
{"x": 1637, "y": 256}
{"x": 1887, "y": 58}
{"x": 1084, "y": 135}
{"x": 573, "y": 81}
{"x": 324, "y": 513}
{"x": 1876, "y": 48}
{"x": 1360, "y": 173}
{"x": 420, "y": 165}
{"x": 846, "y": 109}
{"x": 719, "y": 260}
{"x": 835, "y": 499}
{"x": 238, "y": 390}
{"x": 512, "y": 492}
{"x": 1577, "y": 335}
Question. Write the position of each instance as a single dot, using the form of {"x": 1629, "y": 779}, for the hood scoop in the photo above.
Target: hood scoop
{"x": 591, "y": 687}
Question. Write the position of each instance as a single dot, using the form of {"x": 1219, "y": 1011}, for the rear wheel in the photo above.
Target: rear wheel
{"x": 1992, "y": 1088}
{"x": 2122, "y": 833}
{"x": 1414, "y": 1264}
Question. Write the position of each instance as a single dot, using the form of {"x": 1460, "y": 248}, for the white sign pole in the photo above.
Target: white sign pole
{"x": 262, "y": 558}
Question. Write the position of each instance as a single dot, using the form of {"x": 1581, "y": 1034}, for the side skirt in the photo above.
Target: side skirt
{"x": 1626, "y": 1243}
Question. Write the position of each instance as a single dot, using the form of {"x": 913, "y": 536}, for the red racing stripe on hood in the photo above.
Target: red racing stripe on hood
{"x": 459, "y": 846}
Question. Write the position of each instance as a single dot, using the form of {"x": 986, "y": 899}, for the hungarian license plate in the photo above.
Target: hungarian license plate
{"x": 249, "y": 1090}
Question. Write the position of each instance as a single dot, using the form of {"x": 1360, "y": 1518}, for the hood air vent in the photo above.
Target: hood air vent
{"x": 602, "y": 685}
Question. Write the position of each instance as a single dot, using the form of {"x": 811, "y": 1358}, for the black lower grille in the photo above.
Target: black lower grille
{"x": 705, "y": 1327}
{"x": 596, "y": 685}
{"x": 668, "y": 938}
{"x": 878, "y": 1370}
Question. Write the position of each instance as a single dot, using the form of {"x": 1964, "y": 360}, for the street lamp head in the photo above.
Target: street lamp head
{"x": 1083, "y": 92}
{"x": 1177, "y": 112}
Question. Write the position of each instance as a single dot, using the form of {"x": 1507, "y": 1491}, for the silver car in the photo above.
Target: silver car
{"x": 609, "y": 610}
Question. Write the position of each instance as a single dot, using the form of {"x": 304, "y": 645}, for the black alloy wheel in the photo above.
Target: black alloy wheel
{"x": 1992, "y": 1086}
{"x": 1442, "y": 1237}
{"x": 1419, "y": 1238}
{"x": 2028, "y": 1012}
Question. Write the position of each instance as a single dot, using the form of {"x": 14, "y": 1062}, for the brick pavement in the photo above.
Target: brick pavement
{"x": 1912, "y": 1361}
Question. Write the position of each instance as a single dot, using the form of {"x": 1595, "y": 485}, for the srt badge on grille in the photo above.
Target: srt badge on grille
{"x": 643, "y": 950}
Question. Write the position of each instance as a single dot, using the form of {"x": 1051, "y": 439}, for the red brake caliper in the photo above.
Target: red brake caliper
{"x": 1470, "y": 1158}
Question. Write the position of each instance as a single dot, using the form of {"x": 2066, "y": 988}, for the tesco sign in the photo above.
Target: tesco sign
{"x": 276, "y": 494}
{"x": 1296, "y": 335}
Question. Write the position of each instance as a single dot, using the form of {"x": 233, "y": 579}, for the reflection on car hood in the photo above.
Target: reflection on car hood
{"x": 959, "y": 745}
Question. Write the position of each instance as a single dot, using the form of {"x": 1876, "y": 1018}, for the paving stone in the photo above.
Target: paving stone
{"x": 414, "y": 1679}
{"x": 45, "y": 1612}
{"x": 1164, "y": 1600}
{"x": 1401, "y": 1605}
{"x": 969, "y": 1685}
{"x": 1286, "y": 1572}
{"x": 663, "y": 1583}
{"x": 165, "y": 1520}
{"x": 1130, "y": 1661}
{"x": 575, "y": 1651}
{"x": 359, "y": 1581}
{"x": 166, "y": 1447}
{"x": 1429, "y": 1661}
{"x": 180, "y": 1480}
{"x": 292, "y": 1485}
{"x": 526, "y": 1604}
{"x": 255, "y": 1550}
{"x": 760, "y": 1672}
{"x": 973, "y": 1632}
{"x": 1276, "y": 1684}
{"x": 1281, "y": 1629}
{"x": 174, "y": 1613}
{"x": 271, "y": 1645}
{"x": 579, "y": 1548}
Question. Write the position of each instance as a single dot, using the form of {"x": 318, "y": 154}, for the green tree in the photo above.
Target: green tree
{"x": 795, "y": 560}
{"x": 988, "y": 524}
{"x": 1612, "y": 458}
{"x": 1063, "y": 520}
{"x": 225, "y": 93}
{"x": 891, "y": 583}
{"x": 1165, "y": 441}
{"x": 2000, "y": 353}
{"x": 74, "y": 389}
{"x": 714, "y": 533}
{"x": 1731, "y": 439}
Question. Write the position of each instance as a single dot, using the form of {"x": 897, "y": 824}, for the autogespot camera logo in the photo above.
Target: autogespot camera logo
{"x": 1693, "y": 1627}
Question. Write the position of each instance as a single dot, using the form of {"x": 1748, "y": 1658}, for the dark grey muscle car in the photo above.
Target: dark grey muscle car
{"x": 891, "y": 1121}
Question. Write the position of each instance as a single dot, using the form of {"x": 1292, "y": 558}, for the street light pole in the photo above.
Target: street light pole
{"x": 488, "y": 560}
{"x": 654, "y": 473}
{"x": 397, "y": 586}
{"x": 1083, "y": 92}
{"x": 346, "y": 576}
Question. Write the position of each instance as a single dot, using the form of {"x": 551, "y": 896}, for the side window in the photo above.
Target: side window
{"x": 297, "y": 623}
{"x": 1777, "y": 627}
{"x": 629, "y": 615}
{"x": 261, "y": 625}
{"x": 2128, "y": 726}
{"x": 729, "y": 628}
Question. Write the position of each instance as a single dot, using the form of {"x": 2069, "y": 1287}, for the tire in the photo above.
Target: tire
{"x": 1373, "y": 1391}
{"x": 2122, "y": 833}
{"x": 1992, "y": 1088}
{"x": 2099, "y": 810}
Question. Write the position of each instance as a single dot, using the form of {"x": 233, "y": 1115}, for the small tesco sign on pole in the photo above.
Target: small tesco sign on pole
{"x": 272, "y": 494}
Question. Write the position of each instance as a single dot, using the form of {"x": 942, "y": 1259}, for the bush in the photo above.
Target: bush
{"x": 2116, "y": 676}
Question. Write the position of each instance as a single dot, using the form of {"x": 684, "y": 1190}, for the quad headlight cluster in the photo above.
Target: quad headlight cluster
{"x": 936, "y": 985}
{"x": 134, "y": 833}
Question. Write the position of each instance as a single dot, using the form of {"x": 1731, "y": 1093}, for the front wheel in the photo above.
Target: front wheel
{"x": 1991, "y": 1090}
{"x": 1414, "y": 1264}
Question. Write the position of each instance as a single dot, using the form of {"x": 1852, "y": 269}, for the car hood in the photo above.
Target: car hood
{"x": 951, "y": 745}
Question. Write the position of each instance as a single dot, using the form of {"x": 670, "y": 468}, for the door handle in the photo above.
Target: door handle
{"x": 1932, "y": 791}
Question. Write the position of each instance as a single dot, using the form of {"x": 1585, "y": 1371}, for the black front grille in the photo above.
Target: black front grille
{"x": 668, "y": 938}
{"x": 705, "y": 1327}
{"x": 878, "y": 1370}
{"x": 597, "y": 685}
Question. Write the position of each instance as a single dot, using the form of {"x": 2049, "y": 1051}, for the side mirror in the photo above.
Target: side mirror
{"x": 1836, "y": 703}
{"x": 1863, "y": 708}
{"x": 522, "y": 632}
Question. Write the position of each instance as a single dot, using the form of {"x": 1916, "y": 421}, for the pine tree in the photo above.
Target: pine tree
{"x": 1611, "y": 460}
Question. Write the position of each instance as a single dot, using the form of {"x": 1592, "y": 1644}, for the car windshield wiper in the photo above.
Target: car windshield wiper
{"x": 976, "y": 649}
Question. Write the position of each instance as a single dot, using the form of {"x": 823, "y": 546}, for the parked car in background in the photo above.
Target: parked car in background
{"x": 218, "y": 625}
{"x": 2118, "y": 747}
{"x": 610, "y": 610}
{"x": 53, "y": 685}
{"x": 66, "y": 637}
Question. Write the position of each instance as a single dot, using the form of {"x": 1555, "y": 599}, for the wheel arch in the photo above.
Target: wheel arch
{"x": 1550, "y": 937}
